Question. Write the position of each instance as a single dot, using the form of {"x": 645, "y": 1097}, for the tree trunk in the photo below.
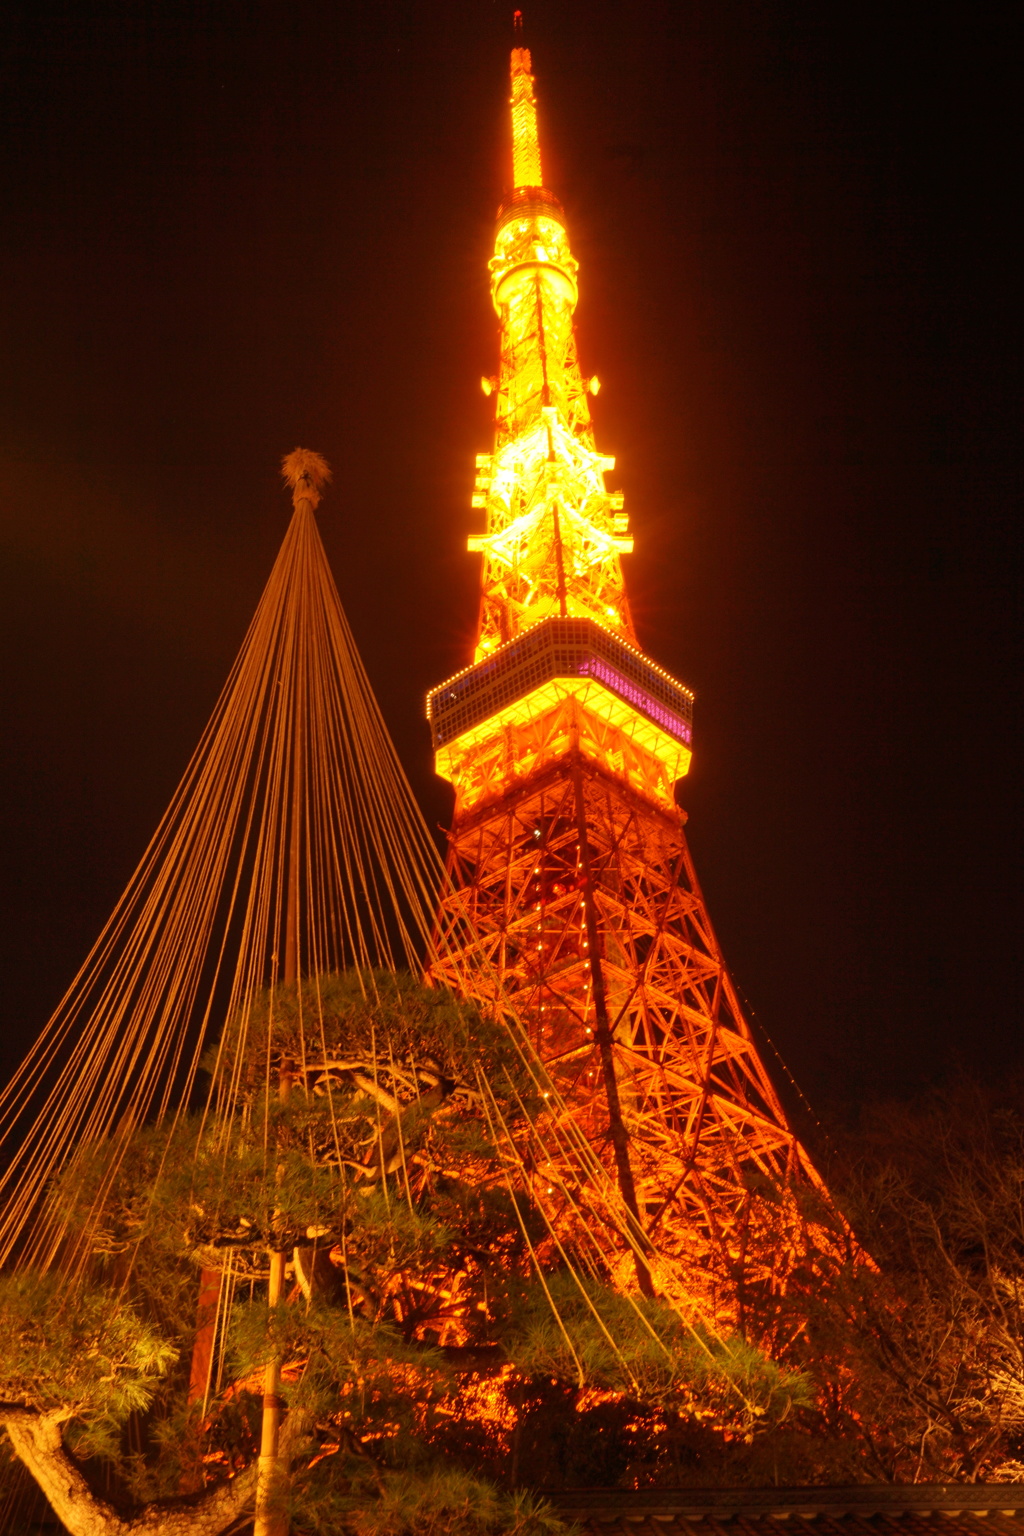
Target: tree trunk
{"x": 38, "y": 1443}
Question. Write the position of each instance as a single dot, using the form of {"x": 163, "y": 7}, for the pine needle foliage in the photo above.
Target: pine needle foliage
{"x": 640, "y": 1347}
{"x": 82, "y": 1352}
{"x": 429, "y": 1326}
{"x": 448, "y": 1500}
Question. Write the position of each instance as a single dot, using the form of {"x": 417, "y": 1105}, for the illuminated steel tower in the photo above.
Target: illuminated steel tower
{"x": 574, "y": 891}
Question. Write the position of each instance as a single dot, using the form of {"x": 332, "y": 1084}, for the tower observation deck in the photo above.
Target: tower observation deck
{"x": 574, "y": 896}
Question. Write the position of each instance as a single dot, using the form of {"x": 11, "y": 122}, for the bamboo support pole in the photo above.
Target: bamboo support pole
{"x": 272, "y": 1478}
{"x": 305, "y": 473}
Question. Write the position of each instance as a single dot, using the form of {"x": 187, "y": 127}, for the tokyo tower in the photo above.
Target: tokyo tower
{"x": 573, "y": 896}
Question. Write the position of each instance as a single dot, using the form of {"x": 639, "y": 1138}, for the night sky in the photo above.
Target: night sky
{"x": 234, "y": 227}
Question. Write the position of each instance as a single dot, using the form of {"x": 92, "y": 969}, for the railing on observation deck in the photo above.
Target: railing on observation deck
{"x": 555, "y": 648}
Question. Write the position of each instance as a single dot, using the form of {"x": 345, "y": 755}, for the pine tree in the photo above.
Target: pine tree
{"x": 439, "y": 1353}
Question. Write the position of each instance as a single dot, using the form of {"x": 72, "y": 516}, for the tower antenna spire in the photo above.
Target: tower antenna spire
{"x": 526, "y": 166}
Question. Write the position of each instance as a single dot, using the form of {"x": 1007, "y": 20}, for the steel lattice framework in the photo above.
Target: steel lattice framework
{"x": 574, "y": 898}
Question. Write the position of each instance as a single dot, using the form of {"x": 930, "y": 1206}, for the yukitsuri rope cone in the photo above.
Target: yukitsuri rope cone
{"x": 287, "y": 897}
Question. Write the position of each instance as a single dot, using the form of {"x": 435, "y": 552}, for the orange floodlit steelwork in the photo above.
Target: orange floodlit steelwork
{"x": 574, "y": 893}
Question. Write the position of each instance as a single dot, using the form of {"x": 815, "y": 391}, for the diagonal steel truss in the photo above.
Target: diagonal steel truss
{"x": 576, "y": 900}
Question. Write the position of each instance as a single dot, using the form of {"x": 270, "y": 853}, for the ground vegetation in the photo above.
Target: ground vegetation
{"x": 910, "y": 1333}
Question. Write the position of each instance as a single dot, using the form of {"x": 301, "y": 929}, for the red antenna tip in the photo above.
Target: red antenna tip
{"x": 517, "y": 25}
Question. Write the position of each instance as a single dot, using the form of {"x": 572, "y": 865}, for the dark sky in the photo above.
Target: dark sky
{"x": 233, "y": 227}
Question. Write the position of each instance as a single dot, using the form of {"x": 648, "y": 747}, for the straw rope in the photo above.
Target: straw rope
{"x": 292, "y": 844}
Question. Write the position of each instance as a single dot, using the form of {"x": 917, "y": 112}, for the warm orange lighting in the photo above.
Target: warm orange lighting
{"x": 525, "y": 143}
{"x": 554, "y": 533}
{"x": 537, "y": 731}
{"x": 572, "y": 897}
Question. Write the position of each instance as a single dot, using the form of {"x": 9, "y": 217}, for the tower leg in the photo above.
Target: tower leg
{"x": 603, "y": 1034}
{"x": 576, "y": 899}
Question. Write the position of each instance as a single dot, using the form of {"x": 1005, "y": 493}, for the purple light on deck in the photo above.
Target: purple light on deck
{"x": 614, "y": 680}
